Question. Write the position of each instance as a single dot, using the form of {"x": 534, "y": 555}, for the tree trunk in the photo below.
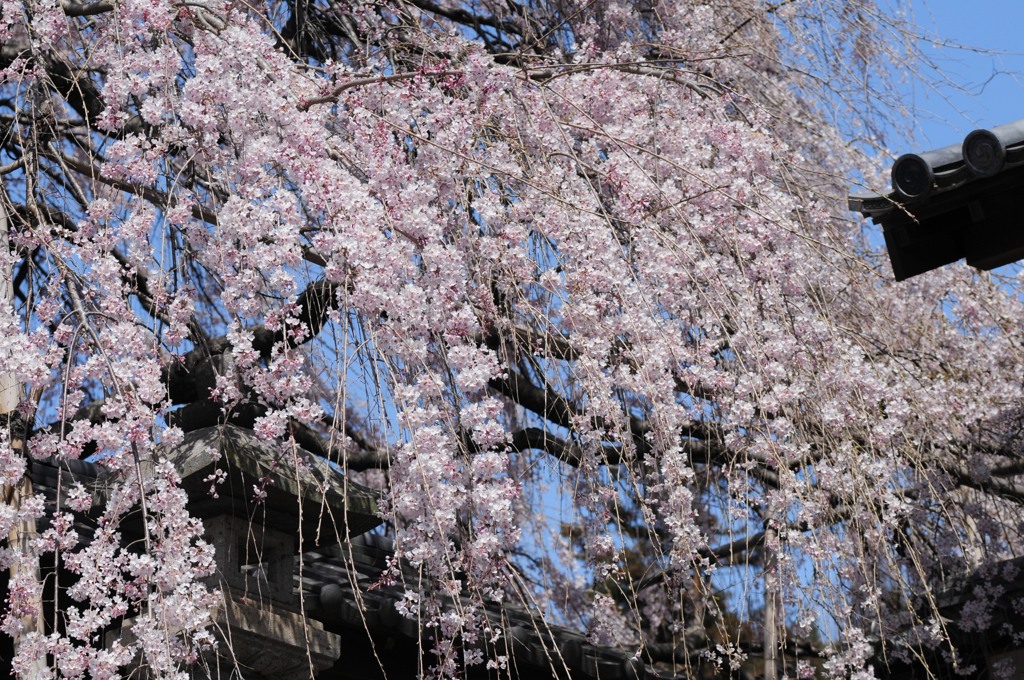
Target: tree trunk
{"x": 9, "y": 393}
{"x": 771, "y": 604}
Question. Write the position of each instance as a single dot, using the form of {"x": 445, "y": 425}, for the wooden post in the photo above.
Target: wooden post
{"x": 23, "y": 533}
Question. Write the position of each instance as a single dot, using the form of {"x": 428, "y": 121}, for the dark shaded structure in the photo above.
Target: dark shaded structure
{"x": 983, "y": 615}
{"x": 962, "y": 201}
{"x": 302, "y": 576}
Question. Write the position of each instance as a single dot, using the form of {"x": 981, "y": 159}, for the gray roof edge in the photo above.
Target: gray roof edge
{"x": 950, "y": 166}
{"x": 290, "y": 467}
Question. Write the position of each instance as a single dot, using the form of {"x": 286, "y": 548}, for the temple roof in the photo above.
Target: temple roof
{"x": 961, "y": 201}
{"x": 332, "y": 506}
{"x": 351, "y": 584}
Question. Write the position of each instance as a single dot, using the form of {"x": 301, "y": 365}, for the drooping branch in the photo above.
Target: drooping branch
{"x": 81, "y": 9}
{"x": 314, "y": 305}
{"x": 469, "y": 18}
{"x": 366, "y": 457}
{"x": 1004, "y": 487}
{"x": 153, "y": 196}
{"x": 544, "y": 402}
{"x": 568, "y": 452}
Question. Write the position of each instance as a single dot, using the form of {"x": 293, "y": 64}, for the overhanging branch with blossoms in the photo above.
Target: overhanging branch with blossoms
{"x": 571, "y": 284}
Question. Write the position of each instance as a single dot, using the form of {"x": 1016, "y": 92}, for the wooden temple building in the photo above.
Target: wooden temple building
{"x": 300, "y": 576}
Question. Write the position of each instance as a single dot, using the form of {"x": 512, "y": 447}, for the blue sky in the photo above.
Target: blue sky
{"x": 991, "y": 81}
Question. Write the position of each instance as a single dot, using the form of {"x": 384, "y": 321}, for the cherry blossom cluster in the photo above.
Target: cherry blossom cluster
{"x": 597, "y": 310}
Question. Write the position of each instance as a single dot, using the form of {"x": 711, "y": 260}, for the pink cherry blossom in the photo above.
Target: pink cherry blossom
{"x": 574, "y": 288}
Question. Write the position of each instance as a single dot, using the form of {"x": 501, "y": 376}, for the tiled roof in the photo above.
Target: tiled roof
{"x": 960, "y": 201}
{"x": 342, "y": 586}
